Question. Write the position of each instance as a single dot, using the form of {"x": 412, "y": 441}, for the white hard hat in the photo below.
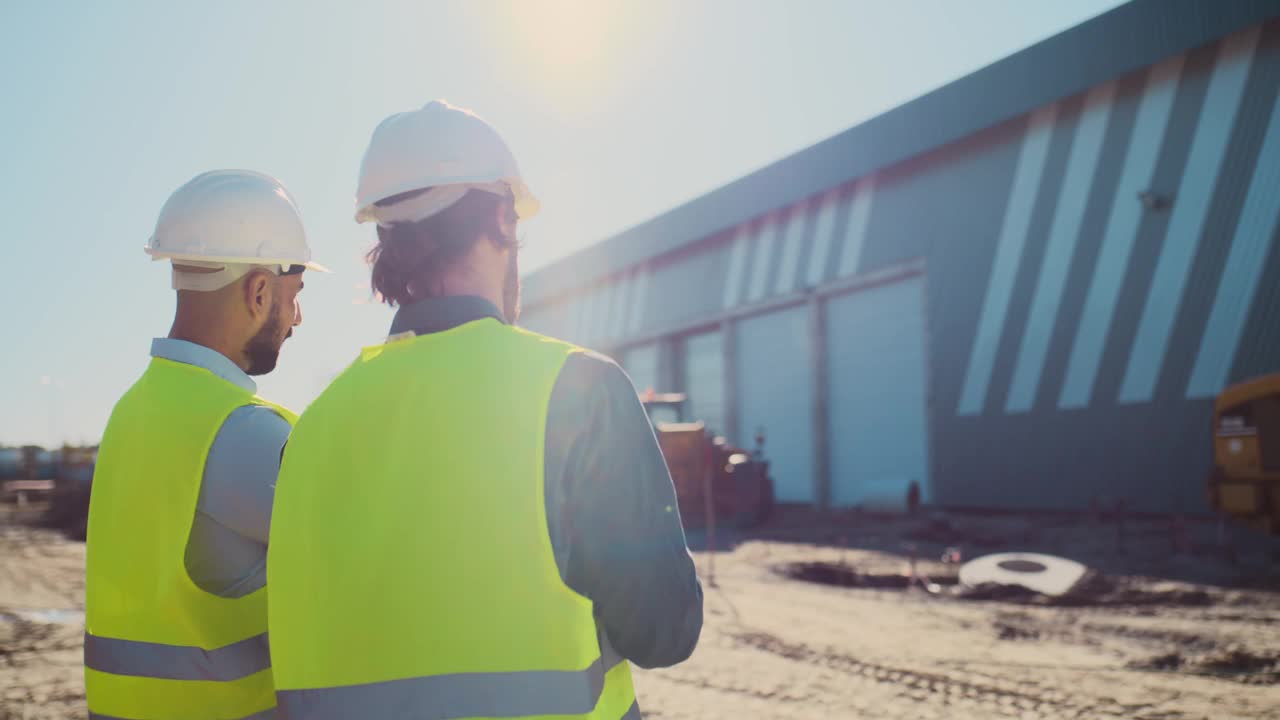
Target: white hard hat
{"x": 435, "y": 147}
{"x": 236, "y": 217}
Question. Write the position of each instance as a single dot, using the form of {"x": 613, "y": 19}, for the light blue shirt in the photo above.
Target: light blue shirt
{"x": 227, "y": 550}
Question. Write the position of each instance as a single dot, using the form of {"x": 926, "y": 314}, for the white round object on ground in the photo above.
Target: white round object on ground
{"x": 1045, "y": 574}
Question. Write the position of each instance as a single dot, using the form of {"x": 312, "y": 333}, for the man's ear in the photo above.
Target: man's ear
{"x": 258, "y": 293}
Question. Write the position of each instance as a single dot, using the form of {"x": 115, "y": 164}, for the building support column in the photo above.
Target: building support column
{"x": 821, "y": 417}
{"x": 729, "y": 350}
{"x": 677, "y": 364}
{"x": 667, "y": 380}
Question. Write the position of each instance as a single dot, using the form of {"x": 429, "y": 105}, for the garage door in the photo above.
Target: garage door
{"x": 641, "y": 363}
{"x": 704, "y": 379}
{"x": 774, "y": 393}
{"x": 876, "y": 367}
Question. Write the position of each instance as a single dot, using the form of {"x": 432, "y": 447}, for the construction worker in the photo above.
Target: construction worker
{"x": 176, "y": 610}
{"x": 472, "y": 520}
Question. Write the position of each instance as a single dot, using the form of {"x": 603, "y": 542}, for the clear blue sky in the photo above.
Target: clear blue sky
{"x": 616, "y": 113}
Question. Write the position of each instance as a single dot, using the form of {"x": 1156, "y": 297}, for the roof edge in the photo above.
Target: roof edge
{"x": 1122, "y": 40}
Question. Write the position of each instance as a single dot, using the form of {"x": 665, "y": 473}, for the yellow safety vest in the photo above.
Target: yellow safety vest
{"x": 156, "y": 645}
{"x": 410, "y": 566}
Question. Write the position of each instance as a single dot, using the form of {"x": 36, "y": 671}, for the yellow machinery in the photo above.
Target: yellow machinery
{"x": 1245, "y": 482}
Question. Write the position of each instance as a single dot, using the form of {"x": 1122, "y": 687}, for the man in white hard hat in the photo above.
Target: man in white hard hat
{"x": 176, "y": 615}
{"x": 498, "y": 528}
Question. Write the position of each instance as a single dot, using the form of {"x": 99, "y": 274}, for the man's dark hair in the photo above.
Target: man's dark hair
{"x": 416, "y": 255}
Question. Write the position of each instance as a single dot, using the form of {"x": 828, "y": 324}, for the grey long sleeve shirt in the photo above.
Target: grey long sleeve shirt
{"x": 226, "y": 552}
{"x": 611, "y": 506}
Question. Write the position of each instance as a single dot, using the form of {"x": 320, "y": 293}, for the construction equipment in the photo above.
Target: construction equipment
{"x": 26, "y": 474}
{"x": 1245, "y": 481}
{"x": 702, "y": 466}
{"x": 56, "y": 480}
{"x": 73, "y": 479}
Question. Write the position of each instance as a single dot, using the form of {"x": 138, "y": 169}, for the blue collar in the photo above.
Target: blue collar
{"x": 215, "y": 362}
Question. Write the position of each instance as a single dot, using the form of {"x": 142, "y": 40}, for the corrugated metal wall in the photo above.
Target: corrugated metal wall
{"x": 1076, "y": 331}
{"x": 1111, "y": 410}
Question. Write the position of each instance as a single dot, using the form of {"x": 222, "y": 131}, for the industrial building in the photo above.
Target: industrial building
{"x": 1021, "y": 290}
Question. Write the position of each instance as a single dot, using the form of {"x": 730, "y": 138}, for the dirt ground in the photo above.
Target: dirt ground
{"x": 1195, "y": 634}
{"x": 41, "y": 623}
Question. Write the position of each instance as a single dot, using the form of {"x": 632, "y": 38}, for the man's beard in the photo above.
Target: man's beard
{"x": 263, "y": 348}
{"x": 511, "y": 289}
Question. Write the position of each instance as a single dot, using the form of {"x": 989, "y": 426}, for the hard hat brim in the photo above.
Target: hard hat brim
{"x": 162, "y": 255}
{"x": 526, "y": 205}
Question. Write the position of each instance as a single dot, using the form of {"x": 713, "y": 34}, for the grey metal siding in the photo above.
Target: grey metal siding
{"x": 1066, "y": 459}
{"x": 1259, "y": 351}
{"x": 1153, "y": 454}
{"x": 1103, "y": 193}
{"x": 1023, "y": 440}
{"x": 951, "y": 195}
{"x": 1128, "y": 310}
{"x": 1189, "y": 216}
{"x": 765, "y": 258}
{"x": 1118, "y": 42}
{"x": 963, "y": 247}
{"x": 1032, "y": 256}
{"x": 687, "y": 286}
{"x": 808, "y": 211}
{"x": 1243, "y": 156}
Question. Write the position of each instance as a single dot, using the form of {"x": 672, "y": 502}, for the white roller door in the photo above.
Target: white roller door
{"x": 774, "y": 393}
{"x": 877, "y": 384}
{"x": 704, "y": 379}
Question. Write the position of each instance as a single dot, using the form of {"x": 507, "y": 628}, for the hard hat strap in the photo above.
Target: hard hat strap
{"x": 220, "y": 275}
{"x": 432, "y": 202}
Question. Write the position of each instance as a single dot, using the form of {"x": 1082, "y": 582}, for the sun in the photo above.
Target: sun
{"x": 568, "y": 49}
{"x": 563, "y": 33}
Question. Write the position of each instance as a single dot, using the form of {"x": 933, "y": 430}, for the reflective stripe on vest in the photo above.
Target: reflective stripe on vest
{"x": 264, "y": 715}
{"x": 464, "y": 695}
{"x": 176, "y": 662}
{"x": 157, "y": 646}
{"x": 446, "y": 433}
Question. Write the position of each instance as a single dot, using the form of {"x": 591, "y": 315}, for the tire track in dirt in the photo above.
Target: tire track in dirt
{"x": 1023, "y": 698}
{"x": 38, "y": 569}
{"x": 40, "y": 675}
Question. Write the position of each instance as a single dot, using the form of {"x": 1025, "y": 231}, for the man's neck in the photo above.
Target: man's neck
{"x": 473, "y": 290}
{"x": 209, "y": 340}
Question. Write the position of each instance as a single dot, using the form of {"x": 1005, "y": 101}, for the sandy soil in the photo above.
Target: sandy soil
{"x": 40, "y": 675}
{"x": 776, "y": 648}
{"x": 1195, "y": 637}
